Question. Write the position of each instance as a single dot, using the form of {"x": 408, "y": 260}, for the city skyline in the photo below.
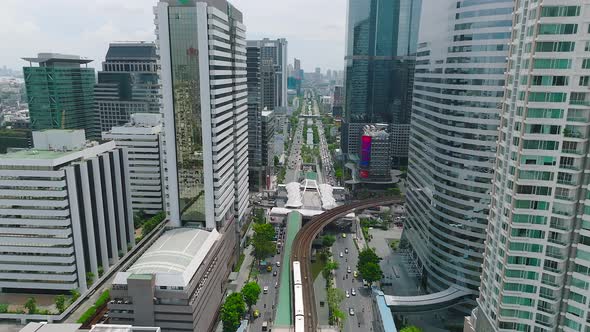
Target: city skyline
{"x": 314, "y": 37}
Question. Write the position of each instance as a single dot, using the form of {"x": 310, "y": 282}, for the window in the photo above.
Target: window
{"x": 555, "y": 46}
{"x": 558, "y": 29}
{"x": 584, "y": 80}
{"x": 552, "y": 64}
{"x": 557, "y": 11}
{"x": 549, "y": 80}
{"x": 586, "y": 64}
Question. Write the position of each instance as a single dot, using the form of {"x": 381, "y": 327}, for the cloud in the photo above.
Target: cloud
{"x": 314, "y": 28}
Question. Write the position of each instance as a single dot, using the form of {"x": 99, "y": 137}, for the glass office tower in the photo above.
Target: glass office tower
{"x": 457, "y": 93}
{"x": 380, "y": 48}
{"x": 60, "y": 93}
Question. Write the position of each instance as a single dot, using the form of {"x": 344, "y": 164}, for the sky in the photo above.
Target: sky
{"x": 315, "y": 29}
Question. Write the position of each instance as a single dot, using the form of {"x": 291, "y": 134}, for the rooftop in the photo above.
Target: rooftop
{"x": 123, "y": 328}
{"x": 44, "y": 327}
{"x": 58, "y": 57}
{"x": 132, "y": 51}
{"x": 174, "y": 258}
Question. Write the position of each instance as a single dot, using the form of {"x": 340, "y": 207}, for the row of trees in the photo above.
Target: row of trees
{"x": 263, "y": 240}
{"x": 234, "y": 307}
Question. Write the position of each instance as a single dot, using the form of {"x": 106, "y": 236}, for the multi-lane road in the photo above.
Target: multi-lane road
{"x": 294, "y": 160}
{"x": 361, "y": 302}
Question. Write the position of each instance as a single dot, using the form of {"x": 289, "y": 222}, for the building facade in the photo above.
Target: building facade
{"x": 142, "y": 137}
{"x": 375, "y": 158}
{"x": 177, "y": 284}
{"x": 127, "y": 84}
{"x": 202, "y": 50}
{"x": 381, "y": 42}
{"x": 536, "y": 271}
{"x": 65, "y": 212}
{"x": 60, "y": 93}
{"x": 267, "y": 91}
{"x": 458, "y": 86}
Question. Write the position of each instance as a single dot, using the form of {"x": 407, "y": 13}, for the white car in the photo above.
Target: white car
{"x": 265, "y": 290}
{"x": 353, "y": 292}
{"x": 351, "y": 311}
{"x": 341, "y": 254}
{"x": 347, "y": 294}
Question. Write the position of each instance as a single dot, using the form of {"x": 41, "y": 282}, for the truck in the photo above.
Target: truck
{"x": 265, "y": 326}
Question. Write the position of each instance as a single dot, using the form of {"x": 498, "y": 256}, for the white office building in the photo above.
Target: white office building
{"x": 458, "y": 86}
{"x": 536, "y": 271}
{"x": 65, "y": 211}
{"x": 142, "y": 137}
{"x": 202, "y": 50}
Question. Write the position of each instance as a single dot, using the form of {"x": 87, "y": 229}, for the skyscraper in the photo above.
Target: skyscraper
{"x": 60, "y": 93}
{"x": 127, "y": 84}
{"x": 267, "y": 89}
{"x": 536, "y": 271}
{"x": 458, "y": 87}
{"x": 381, "y": 44}
{"x": 205, "y": 112}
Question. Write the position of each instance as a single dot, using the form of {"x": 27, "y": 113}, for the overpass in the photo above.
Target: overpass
{"x": 429, "y": 302}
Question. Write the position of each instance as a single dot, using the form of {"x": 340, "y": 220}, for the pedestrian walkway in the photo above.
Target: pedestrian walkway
{"x": 244, "y": 272}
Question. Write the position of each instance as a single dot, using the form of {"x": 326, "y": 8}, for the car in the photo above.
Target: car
{"x": 269, "y": 268}
{"x": 346, "y": 250}
{"x": 351, "y": 311}
{"x": 343, "y": 235}
{"x": 278, "y": 264}
{"x": 355, "y": 274}
{"x": 277, "y": 284}
{"x": 256, "y": 313}
{"x": 348, "y": 270}
{"x": 341, "y": 254}
{"x": 347, "y": 294}
{"x": 353, "y": 292}
{"x": 265, "y": 290}
{"x": 274, "y": 273}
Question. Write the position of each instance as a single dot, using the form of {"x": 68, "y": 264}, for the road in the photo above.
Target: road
{"x": 294, "y": 160}
{"x": 361, "y": 302}
{"x": 267, "y": 302}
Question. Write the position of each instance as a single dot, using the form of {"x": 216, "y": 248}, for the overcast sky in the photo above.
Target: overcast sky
{"x": 313, "y": 28}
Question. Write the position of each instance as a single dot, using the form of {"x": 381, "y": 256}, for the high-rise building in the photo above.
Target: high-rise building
{"x": 66, "y": 212}
{"x": 536, "y": 270}
{"x": 205, "y": 111}
{"x": 202, "y": 49}
{"x": 337, "y": 101}
{"x": 267, "y": 90}
{"x": 60, "y": 93}
{"x": 457, "y": 90}
{"x": 142, "y": 137}
{"x": 380, "y": 55}
{"x": 127, "y": 84}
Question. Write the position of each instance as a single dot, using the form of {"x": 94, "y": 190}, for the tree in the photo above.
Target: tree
{"x": 371, "y": 272}
{"x": 411, "y": 328}
{"x": 329, "y": 267}
{"x": 262, "y": 240}
{"x": 31, "y": 305}
{"x": 75, "y": 295}
{"x": 60, "y": 303}
{"x": 368, "y": 265}
{"x": 3, "y": 308}
{"x": 394, "y": 191}
{"x": 90, "y": 278}
{"x": 277, "y": 161}
{"x": 232, "y": 311}
{"x": 100, "y": 271}
{"x": 328, "y": 240}
{"x": 251, "y": 293}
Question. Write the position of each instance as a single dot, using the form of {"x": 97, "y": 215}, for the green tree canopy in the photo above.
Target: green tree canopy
{"x": 232, "y": 311}
{"x": 31, "y": 305}
{"x": 328, "y": 240}
{"x": 371, "y": 272}
{"x": 411, "y": 328}
{"x": 251, "y": 293}
{"x": 262, "y": 240}
{"x": 60, "y": 303}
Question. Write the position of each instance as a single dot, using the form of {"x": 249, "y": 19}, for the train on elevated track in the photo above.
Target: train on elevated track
{"x": 298, "y": 307}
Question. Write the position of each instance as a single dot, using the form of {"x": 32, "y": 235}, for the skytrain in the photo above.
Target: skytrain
{"x": 298, "y": 312}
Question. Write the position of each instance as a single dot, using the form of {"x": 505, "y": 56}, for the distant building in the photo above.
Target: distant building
{"x": 60, "y": 93}
{"x": 267, "y": 147}
{"x": 67, "y": 212}
{"x": 177, "y": 284}
{"x": 375, "y": 155}
{"x": 142, "y": 137}
{"x": 380, "y": 60}
{"x": 337, "y": 101}
{"x": 127, "y": 84}
{"x": 267, "y": 90}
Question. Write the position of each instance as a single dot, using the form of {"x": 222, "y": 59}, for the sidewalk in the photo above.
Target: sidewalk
{"x": 244, "y": 272}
